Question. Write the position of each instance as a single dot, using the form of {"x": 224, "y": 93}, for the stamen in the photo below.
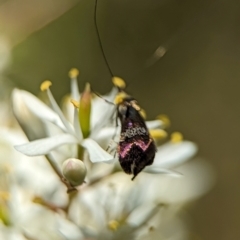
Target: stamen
{"x": 41, "y": 201}
{"x": 165, "y": 119}
{"x": 7, "y": 168}
{"x": 113, "y": 225}
{"x": 38, "y": 200}
{"x": 76, "y": 125}
{"x": 143, "y": 113}
{"x": 176, "y": 137}
{"x": 75, "y": 103}
{"x": 120, "y": 97}
{"x": 4, "y": 195}
{"x": 118, "y": 82}
{"x": 158, "y": 134}
{"x": 151, "y": 229}
{"x": 45, "y": 85}
{"x": 73, "y": 73}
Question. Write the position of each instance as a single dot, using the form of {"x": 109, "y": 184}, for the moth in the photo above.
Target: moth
{"x": 136, "y": 149}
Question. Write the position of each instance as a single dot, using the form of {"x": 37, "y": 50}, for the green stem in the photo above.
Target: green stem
{"x": 80, "y": 153}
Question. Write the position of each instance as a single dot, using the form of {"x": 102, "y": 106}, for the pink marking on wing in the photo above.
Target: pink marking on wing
{"x": 125, "y": 150}
{"x": 142, "y": 144}
{"x": 138, "y": 143}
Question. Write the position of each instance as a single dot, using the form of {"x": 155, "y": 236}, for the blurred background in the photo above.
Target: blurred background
{"x": 178, "y": 57}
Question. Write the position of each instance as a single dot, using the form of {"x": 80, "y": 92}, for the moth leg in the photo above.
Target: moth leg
{"x": 134, "y": 175}
{"x": 132, "y": 167}
{"x": 116, "y": 124}
{"x": 110, "y": 148}
{"x": 115, "y": 153}
{"x": 113, "y": 137}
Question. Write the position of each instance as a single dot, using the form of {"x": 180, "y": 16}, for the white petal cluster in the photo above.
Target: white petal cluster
{"x": 107, "y": 205}
{"x": 57, "y": 131}
{"x": 52, "y": 133}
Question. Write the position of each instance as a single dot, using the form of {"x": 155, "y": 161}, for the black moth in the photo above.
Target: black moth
{"x": 136, "y": 148}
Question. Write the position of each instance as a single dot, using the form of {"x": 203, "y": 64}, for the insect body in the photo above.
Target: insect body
{"x": 136, "y": 148}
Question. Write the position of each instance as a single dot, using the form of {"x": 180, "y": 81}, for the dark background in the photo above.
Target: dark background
{"x": 196, "y": 82}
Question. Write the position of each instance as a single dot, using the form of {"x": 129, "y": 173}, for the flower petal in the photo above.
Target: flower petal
{"x": 171, "y": 155}
{"x": 96, "y": 153}
{"x": 142, "y": 214}
{"x": 45, "y": 145}
{"x": 76, "y": 125}
{"x": 102, "y": 112}
{"x": 22, "y": 99}
{"x": 106, "y": 135}
{"x": 155, "y": 124}
{"x": 198, "y": 178}
{"x": 157, "y": 170}
{"x": 59, "y": 112}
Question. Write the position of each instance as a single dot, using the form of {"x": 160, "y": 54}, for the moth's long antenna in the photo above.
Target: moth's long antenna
{"x": 99, "y": 38}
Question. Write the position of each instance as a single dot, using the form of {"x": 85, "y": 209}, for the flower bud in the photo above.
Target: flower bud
{"x": 74, "y": 171}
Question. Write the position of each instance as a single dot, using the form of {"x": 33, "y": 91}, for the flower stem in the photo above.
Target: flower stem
{"x": 80, "y": 153}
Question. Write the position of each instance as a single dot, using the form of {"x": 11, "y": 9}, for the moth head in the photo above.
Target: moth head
{"x": 122, "y": 100}
{"x": 122, "y": 109}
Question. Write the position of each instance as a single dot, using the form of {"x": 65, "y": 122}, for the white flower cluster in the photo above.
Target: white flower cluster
{"x": 67, "y": 149}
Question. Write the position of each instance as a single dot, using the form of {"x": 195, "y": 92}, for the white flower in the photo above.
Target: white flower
{"x": 147, "y": 208}
{"x": 108, "y": 206}
{"x": 52, "y": 124}
{"x": 21, "y": 180}
{"x": 90, "y": 127}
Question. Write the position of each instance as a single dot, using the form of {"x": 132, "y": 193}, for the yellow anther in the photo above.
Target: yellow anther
{"x": 158, "y": 134}
{"x": 73, "y": 73}
{"x": 151, "y": 229}
{"x": 4, "y": 195}
{"x": 113, "y": 225}
{"x": 75, "y": 103}
{"x": 7, "y": 168}
{"x": 45, "y": 85}
{"x": 120, "y": 97}
{"x": 143, "y": 113}
{"x": 38, "y": 200}
{"x": 176, "y": 137}
{"x": 164, "y": 118}
{"x": 118, "y": 82}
